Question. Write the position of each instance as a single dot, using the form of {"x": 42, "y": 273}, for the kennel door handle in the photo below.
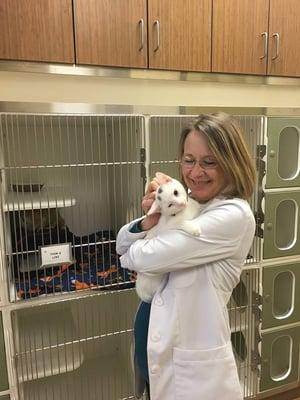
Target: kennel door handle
{"x": 156, "y": 24}
{"x": 267, "y": 298}
{"x": 272, "y": 153}
{"x": 141, "y": 25}
{"x": 269, "y": 226}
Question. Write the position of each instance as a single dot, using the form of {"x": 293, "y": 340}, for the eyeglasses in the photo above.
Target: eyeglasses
{"x": 206, "y": 163}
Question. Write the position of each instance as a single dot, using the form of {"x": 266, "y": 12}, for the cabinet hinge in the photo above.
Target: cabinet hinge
{"x": 256, "y": 299}
{"x": 255, "y": 360}
{"x": 261, "y": 168}
{"x": 261, "y": 150}
{"x": 257, "y": 312}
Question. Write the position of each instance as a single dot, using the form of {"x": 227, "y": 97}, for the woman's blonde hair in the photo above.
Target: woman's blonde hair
{"x": 226, "y": 141}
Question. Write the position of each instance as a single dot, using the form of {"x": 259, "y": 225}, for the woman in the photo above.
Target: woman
{"x": 189, "y": 351}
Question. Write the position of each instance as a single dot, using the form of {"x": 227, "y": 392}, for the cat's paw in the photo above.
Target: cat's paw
{"x": 191, "y": 228}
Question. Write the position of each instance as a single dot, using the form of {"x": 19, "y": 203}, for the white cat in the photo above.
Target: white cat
{"x": 177, "y": 210}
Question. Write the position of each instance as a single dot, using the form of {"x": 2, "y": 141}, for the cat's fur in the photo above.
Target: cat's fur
{"x": 177, "y": 210}
{"x": 42, "y": 220}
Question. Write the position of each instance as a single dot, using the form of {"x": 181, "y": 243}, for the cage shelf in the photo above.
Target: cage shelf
{"x": 50, "y": 197}
{"x": 104, "y": 377}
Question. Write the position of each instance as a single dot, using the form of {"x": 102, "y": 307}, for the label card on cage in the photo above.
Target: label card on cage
{"x": 56, "y": 254}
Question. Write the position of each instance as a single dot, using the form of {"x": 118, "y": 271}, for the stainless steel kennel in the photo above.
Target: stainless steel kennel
{"x": 68, "y": 183}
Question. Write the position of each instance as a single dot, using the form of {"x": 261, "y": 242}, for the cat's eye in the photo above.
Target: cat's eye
{"x": 176, "y": 192}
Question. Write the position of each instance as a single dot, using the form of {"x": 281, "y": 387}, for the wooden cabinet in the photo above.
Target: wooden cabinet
{"x": 111, "y": 32}
{"x": 284, "y": 38}
{"x": 116, "y": 33}
{"x": 36, "y": 30}
{"x": 180, "y": 34}
{"x": 256, "y": 37}
{"x": 239, "y": 39}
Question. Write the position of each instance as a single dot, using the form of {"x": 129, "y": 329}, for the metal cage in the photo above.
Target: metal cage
{"x": 67, "y": 179}
{"x": 73, "y": 180}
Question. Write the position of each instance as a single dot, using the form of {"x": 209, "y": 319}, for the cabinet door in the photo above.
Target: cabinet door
{"x": 239, "y": 39}
{"x": 283, "y": 161}
{"x": 36, "y": 30}
{"x": 111, "y": 32}
{"x": 180, "y": 34}
{"x": 284, "y": 38}
{"x": 282, "y": 224}
{"x": 280, "y": 358}
{"x": 281, "y": 295}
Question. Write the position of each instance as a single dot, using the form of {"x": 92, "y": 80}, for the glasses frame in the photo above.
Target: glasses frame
{"x": 206, "y": 163}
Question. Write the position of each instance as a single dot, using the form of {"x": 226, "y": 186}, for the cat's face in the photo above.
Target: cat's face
{"x": 171, "y": 197}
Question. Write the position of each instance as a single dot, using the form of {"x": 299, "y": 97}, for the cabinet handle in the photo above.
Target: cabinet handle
{"x": 141, "y": 25}
{"x": 276, "y": 36}
{"x": 264, "y": 35}
{"x": 156, "y": 24}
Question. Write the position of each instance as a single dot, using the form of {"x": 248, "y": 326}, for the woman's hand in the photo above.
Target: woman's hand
{"x": 150, "y": 220}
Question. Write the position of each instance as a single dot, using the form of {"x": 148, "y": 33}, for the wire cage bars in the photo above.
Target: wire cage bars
{"x": 67, "y": 180}
{"x": 75, "y": 180}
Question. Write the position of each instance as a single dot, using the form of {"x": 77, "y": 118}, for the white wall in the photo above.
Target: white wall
{"x": 39, "y": 87}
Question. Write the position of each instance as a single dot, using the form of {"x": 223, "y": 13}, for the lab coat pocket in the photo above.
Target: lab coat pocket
{"x": 182, "y": 279}
{"x": 206, "y": 374}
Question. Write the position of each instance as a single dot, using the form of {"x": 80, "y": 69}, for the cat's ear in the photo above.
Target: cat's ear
{"x": 155, "y": 208}
{"x": 162, "y": 178}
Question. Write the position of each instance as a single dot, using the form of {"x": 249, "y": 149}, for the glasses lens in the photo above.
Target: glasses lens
{"x": 187, "y": 163}
{"x": 209, "y": 164}
{"x": 205, "y": 163}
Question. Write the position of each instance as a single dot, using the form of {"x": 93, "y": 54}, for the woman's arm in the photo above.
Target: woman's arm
{"x": 138, "y": 228}
{"x": 222, "y": 229}
{"x": 128, "y": 234}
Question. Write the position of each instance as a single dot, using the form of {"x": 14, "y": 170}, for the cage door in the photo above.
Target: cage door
{"x": 280, "y": 358}
{"x": 3, "y": 369}
{"x": 281, "y": 227}
{"x": 281, "y": 298}
{"x": 283, "y": 156}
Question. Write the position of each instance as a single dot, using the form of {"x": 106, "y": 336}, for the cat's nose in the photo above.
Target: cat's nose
{"x": 182, "y": 203}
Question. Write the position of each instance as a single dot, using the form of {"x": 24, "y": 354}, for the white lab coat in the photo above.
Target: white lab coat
{"x": 190, "y": 355}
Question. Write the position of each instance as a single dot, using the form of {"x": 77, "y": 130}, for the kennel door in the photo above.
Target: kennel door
{"x": 244, "y": 320}
{"x": 280, "y": 358}
{"x": 281, "y": 298}
{"x": 68, "y": 178}
{"x": 3, "y": 369}
{"x": 77, "y": 348}
{"x": 283, "y": 155}
{"x": 281, "y": 226}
